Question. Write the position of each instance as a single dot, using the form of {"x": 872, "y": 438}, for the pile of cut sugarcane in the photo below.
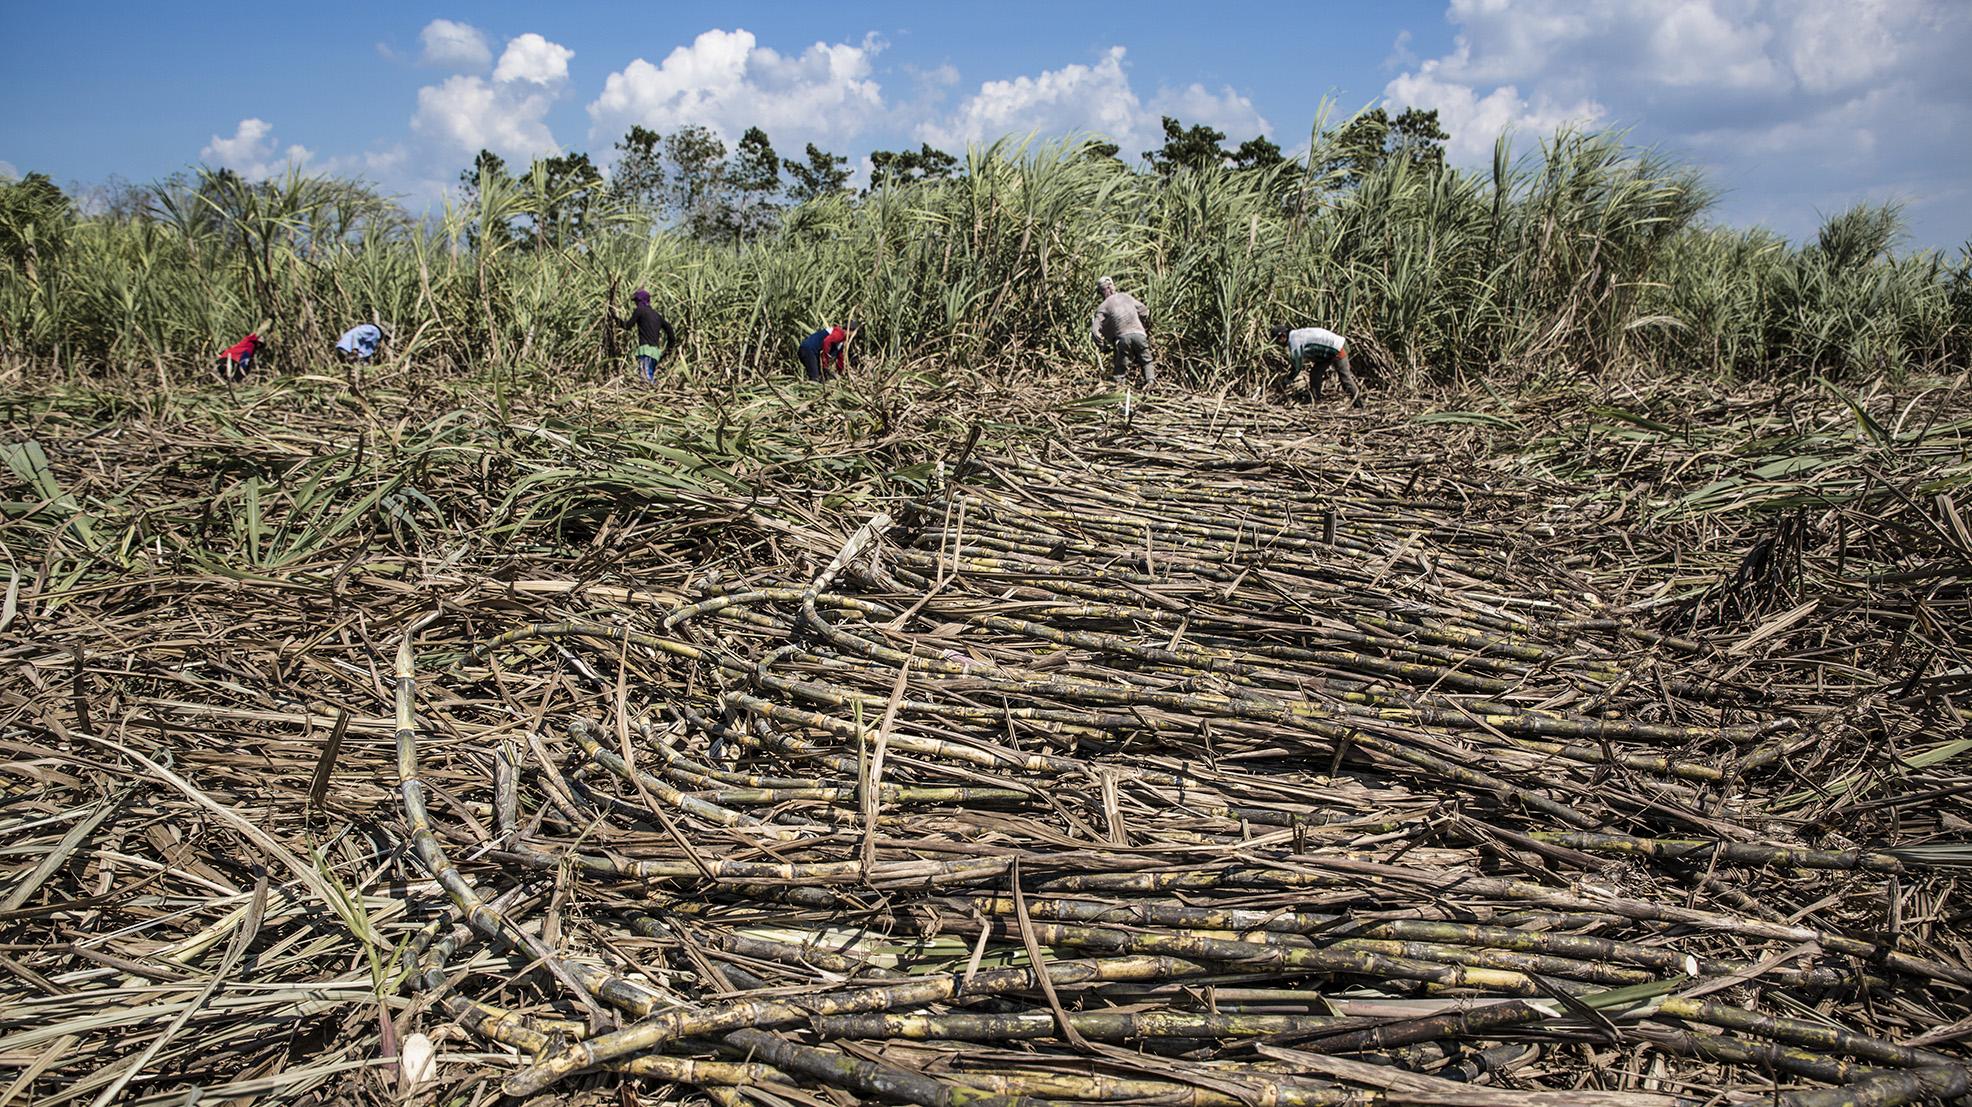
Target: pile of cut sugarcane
{"x": 1592, "y": 745}
{"x": 1164, "y": 765}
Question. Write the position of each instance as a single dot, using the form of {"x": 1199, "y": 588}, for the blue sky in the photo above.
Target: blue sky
{"x": 1793, "y": 107}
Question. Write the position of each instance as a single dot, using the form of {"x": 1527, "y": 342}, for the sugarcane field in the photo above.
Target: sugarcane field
{"x": 1335, "y": 627}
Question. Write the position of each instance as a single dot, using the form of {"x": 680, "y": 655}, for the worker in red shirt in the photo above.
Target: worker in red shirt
{"x": 827, "y": 346}
{"x": 238, "y": 358}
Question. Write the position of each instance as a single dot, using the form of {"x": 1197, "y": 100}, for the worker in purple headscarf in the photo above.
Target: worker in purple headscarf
{"x": 655, "y": 338}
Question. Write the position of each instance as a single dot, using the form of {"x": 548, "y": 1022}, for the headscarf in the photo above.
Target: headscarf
{"x": 640, "y": 296}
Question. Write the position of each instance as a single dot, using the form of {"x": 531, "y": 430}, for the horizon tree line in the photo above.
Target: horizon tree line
{"x": 690, "y": 181}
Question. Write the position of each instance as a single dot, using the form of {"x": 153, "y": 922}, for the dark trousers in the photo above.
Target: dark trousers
{"x": 811, "y": 363}
{"x": 1317, "y": 365}
{"x": 1344, "y": 375}
{"x": 1131, "y": 351}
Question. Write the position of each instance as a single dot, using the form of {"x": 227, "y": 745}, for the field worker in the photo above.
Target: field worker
{"x": 360, "y": 342}
{"x": 1314, "y": 350}
{"x": 238, "y": 358}
{"x": 1122, "y": 325}
{"x": 655, "y": 338}
{"x": 828, "y": 346}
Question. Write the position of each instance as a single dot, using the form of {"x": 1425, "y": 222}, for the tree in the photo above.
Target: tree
{"x": 899, "y": 167}
{"x": 1416, "y": 137}
{"x": 487, "y": 177}
{"x": 699, "y": 193}
{"x": 755, "y": 174}
{"x": 1193, "y": 148}
{"x": 488, "y": 165}
{"x": 1103, "y": 152}
{"x": 822, "y": 174}
{"x": 565, "y": 192}
{"x": 551, "y": 205}
{"x": 1357, "y": 148}
{"x": 638, "y": 179}
{"x": 1198, "y": 147}
{"x": 1257, "y": 153}
{"x": 1372, "y": 139}
{"x": 687, "y": 178}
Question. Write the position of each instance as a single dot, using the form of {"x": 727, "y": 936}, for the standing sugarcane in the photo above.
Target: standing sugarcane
{"x": 609, "y": 324}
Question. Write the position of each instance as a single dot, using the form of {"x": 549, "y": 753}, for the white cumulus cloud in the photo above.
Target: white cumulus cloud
{"x": 252, "y": 152}
{"x": 467, "y": 113}
{"x": 454, "y": 45}
{"x": 1798, "y": 108}
{"x": 506, "y": 113}
{"x": 530, "y": 57}
{"x": 1055, "y": 101}
{"x": 727, "y": 81}
{"x": 1473, "y": 120}
{"x": 1095, "y": 99}
{"x": 1225, "y": 110}
{"x": 8, "y": 172}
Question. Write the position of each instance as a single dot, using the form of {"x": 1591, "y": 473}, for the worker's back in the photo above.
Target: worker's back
{"x": 1303, "y": 337}
{"x": 1120, "y": 314}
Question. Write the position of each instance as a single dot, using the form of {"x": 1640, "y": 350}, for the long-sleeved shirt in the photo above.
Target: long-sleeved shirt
{"x": 361, "y": 340}
{"x": 1119, "y": 314}
{"x": 243, "y": 349}
{"x": 828, "y": 345}
{"x": 652, "y": 329}
{"x": 1305, "y": 341}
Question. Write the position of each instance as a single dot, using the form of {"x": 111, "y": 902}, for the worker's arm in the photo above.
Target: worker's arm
{"x": 1143, "y": 315}
{"x": 1294, "y": 351}
{"x": 1095, "y": 327}
{"x": 670, "y": 336}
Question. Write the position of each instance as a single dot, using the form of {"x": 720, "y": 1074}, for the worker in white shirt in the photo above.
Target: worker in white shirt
{"x": 1314, "y": 349}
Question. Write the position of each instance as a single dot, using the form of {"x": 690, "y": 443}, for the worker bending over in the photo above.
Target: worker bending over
{"x": 360, "y": 342}
{"x": 1121, "y": 325}
{"x": 825, "y": 348}
{"x": 1314, "y": 349}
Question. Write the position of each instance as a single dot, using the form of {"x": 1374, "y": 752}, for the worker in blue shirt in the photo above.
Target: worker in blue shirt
{"x": 360, "y": 342}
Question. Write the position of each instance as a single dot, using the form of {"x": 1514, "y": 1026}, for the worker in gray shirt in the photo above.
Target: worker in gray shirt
{"x": 1122, "y": 326}
{"x": 1314, "y": 349}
